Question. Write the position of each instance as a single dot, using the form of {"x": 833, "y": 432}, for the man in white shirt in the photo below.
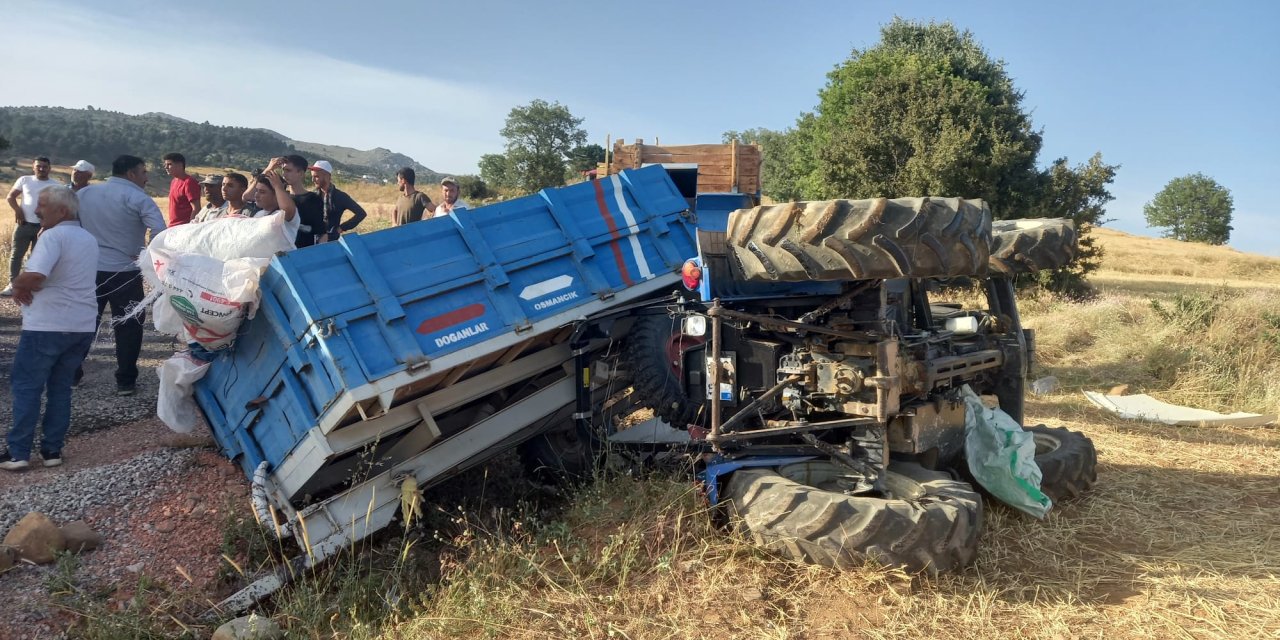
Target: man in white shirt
{"x": 59, "y": 318}
{"x": 449, "y": 200}
{"x": 23, "y": 200}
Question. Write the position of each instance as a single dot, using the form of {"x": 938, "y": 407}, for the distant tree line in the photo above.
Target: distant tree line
{"x": 96, "y": 135}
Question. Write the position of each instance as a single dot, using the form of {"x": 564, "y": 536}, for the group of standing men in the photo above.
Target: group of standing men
{"x": 84, "y": 240}
{"x": 319, "y": 214}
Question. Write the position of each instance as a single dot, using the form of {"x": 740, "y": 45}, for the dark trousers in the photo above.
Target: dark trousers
{"x": 123, "y": 290}
{"x": 24, "y": 240}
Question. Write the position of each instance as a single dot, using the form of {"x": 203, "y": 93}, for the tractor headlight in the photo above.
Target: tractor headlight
{"x": 695, "y": 326}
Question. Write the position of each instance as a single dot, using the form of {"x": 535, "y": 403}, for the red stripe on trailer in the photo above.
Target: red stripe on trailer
{"x": 613, "y": 232}
{"x": 457, "y": 316}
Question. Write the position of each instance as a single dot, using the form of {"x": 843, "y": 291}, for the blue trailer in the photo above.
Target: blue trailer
{"x": 422, "y": 349}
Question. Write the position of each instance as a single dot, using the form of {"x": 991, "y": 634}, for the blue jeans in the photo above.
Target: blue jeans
{"x": 45, "y": 364}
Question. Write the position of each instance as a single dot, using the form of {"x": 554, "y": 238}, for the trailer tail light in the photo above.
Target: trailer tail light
{"x": 692, "y": 274}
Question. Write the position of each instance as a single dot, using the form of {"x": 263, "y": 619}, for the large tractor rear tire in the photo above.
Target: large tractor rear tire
{"x": 1027, "y": 246}
{"x": 928, "y": 522}
{"x": 862, "y": 239}
{"x": 1068, "y": 462}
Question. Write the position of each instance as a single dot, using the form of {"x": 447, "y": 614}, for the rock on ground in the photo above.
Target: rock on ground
{"x": 249, "y": 627}
{"x": 80, "y": 537}
{"x": 36, "y": 538}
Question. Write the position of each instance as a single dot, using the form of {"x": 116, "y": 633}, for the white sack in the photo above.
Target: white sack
{"x": 175, "y": 406}
{"x": 201, "y": 299}
{"x": 227, "y": 238}
{"x": 205, "y": 276}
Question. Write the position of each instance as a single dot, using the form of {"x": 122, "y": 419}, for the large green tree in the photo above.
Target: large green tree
{"x": 1079, "y": 193}
{"x": 924, "y": 112}
{"x": 540, "y": 136}
{"x": 927, "y": 111}
{"x": 1192, "y": 208}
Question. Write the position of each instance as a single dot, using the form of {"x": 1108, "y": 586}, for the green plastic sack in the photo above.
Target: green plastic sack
{"x": 1002, "y": 456}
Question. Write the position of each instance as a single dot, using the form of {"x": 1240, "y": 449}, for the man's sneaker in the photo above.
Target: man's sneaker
{"x": 10, "y": 464}
{"x": 8, "y": 292}
{"x": 52, "y": 460}
{"x": 126, "y": 389}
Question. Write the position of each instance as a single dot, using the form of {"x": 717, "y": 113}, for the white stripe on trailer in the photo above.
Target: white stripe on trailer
{"x": 541, "y": 289}
{"x": 631, "y": 223}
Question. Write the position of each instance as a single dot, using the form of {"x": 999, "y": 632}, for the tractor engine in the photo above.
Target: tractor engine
{"x": 878, "y": 358}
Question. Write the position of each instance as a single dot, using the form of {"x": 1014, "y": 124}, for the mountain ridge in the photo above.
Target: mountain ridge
{"x": 98, "y": 135}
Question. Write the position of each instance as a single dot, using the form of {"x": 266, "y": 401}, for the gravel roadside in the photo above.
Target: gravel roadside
{"x": 158, "y": 499}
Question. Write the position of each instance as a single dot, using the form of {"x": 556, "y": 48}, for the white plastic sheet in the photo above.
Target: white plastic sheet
{"x": 1144, "y": 407}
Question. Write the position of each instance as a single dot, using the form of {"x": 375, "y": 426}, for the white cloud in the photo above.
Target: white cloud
{"x": 62, "y": 58}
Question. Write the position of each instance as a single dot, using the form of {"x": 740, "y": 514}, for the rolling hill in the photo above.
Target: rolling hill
{"x": 66, "y": 135}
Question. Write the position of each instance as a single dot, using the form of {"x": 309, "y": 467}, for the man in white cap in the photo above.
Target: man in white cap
{"x": 81, "y": 174}
{"x": 336, "y": 202}
{"x": 23, "y": 199}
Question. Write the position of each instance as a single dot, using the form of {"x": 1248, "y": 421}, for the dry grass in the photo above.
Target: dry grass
{"x": 1137, "y": 258}
{"x": 1177, "y": 541}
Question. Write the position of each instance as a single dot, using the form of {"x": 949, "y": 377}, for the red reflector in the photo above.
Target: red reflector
{"x": 692, "y": 275}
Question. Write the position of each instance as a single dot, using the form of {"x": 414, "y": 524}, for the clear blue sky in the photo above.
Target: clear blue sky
{"x": 1163, "y": 89}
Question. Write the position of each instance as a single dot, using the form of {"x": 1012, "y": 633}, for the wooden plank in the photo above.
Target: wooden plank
{"x": 723, "y": 186}
{"x": 725, "y": 172}
{"x": 717, "y": 164}
{"x": 717, "y": 149}
{"x": 733, "y": 170}
{"x": 743, "y": 158}
{"x": 711, "y": 171}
